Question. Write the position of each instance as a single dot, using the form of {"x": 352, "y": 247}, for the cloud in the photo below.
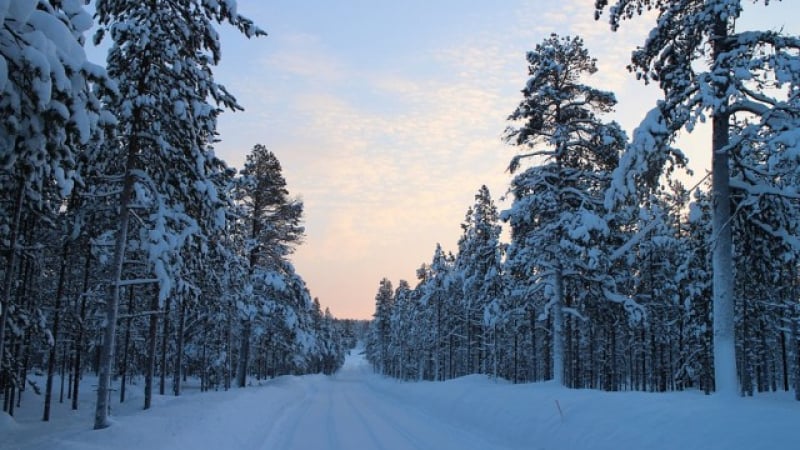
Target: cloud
{"x": 385, "y": 187}
{"x": 388, "y": 154}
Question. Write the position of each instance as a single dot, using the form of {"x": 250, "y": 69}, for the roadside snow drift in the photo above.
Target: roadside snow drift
{"x": 356, "y": 409}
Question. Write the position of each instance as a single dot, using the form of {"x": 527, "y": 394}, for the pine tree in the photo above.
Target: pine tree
{"x": 273, "y": 226}
{"x": 378, "y": 351}
{"x": 401, "y": 323}
{"x": 273, "y": 217}
{"x": 435, "y": 295}
{"x": 557, "y": 216}
{"x": 49, "y": 114}
{"x": 161, "y": 57}
{"x": 478, "y": 262}
{"x": 736, "y": 84}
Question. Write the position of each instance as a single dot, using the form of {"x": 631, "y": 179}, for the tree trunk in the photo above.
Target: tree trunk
{"x": 241, "y": 372}
{"x": 534, "y": 372}
{"x": 516, "y": 353}
{"x": 228, "y": 350}
{"x": 558, "y": 328}
{"x": 26, "y": 299}
{"x": 11, "y": 262}
{"x": 437, "y": 342}
{"x": 796, "y": 342}
{"x": 467, "y": 362}
{"x": 152, "y": 336}
{"x": 112, "y": 305}
{"x": 10, "y": 394}
{"x": 722, "y": 258}
{"x": 76, "y": 378}
{"x": 51, "y": 360}
{"x": 164, "y": 347}
{"x": 125, "y": 347}
{"x": 176, "y": 385}
{"x": 203, "y": 359}
{"x": 495, "y": 353}
{"x": 64, "y": 364}
{"x": 70, "y": 373}
{"x": 784, "y": 362}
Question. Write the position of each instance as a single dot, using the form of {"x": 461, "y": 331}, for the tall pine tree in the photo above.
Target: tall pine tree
{"x": 736, "y": 82}
{"x": 557, "y": 217}
{"x": 162, "y": 56}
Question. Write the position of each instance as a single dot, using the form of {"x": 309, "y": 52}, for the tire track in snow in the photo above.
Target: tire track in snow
{"x": 353, "y": 410}
{"x": 365, "y": 425}
{"x": 283, "y": 430}
{"x": 330, "y": 424}
{"x": 409, "y": 416}
{"x": 389, "y": 422}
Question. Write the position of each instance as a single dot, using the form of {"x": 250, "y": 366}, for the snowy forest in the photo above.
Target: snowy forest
{"x": 128, "y": 248}
{"x": 619, "y": 275}
{"x": 133, "y": 256}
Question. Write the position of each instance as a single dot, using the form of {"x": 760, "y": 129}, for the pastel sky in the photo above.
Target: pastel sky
{"x": 387, "y": 117}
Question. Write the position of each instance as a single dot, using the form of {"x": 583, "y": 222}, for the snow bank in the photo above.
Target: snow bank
{"x": 543, "y": 415}
{"x": 357, "y": 409}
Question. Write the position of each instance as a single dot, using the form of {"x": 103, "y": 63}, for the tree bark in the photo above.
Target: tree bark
{"x": 796, "y": 342}
{"x": 51, "y": 360}
{"x": 176, "y": 385}
{"x": 11, "y": 262}
{"x": 228, "y": 349}
{"x": 26, "y": 299}
{"x": 164, "y": 347}
{"x": 64, "y": 365}
{"x": 241, "y": 373}
{"x": 722, "y": 258}
{"x": 152, "y": 336}
{"x": 558, "y": 328}
{"x": 112, "y": 305}
{"x": 125, "y": 347}
{"x": 203, "y": 358}
{"x": 76, "y": 378}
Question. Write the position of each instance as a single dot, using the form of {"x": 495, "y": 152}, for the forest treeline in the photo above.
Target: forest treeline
{"x": 129, "y": 249}
{"x": 617, "y": 275}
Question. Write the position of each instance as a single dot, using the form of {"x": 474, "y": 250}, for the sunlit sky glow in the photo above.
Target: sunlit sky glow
{"x": 387, "y": 117}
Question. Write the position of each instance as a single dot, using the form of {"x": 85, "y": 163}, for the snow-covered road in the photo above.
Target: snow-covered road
{"x": 346, "y": 411}
{"x": 357, "y": 409}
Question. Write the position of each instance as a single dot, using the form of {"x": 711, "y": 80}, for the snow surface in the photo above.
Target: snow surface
{"x": 357, "y": 409}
